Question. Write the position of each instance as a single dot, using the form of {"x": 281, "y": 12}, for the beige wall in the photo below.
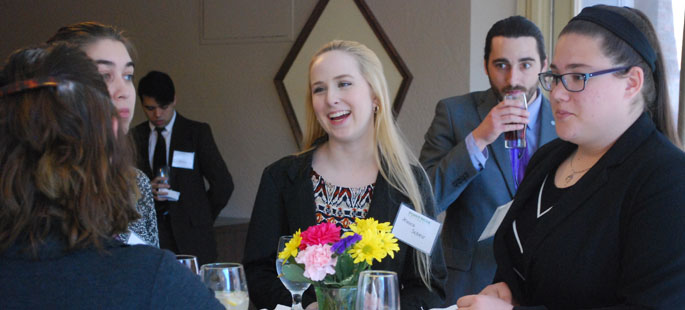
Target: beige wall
{"x": 231, "y": 87}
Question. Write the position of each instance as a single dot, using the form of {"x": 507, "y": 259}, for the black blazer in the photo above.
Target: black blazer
{"x": 285, "y": 203}
{"x": 614, "y": 240}
{"x": 193, "y": 215}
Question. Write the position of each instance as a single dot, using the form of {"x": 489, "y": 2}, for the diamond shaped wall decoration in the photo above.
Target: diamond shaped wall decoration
{"x": 331, "y": 20}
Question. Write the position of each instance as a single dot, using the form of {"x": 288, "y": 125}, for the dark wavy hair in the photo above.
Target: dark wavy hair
{"x": 63, "y": 170}
{"x": 654, "y": 89}
{"x": 515, "y": 27}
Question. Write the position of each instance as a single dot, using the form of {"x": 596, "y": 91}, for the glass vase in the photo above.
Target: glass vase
{"x": 341, "y": 298}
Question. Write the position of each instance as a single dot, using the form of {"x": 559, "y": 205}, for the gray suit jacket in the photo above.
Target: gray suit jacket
{"x": 470, "y": 196}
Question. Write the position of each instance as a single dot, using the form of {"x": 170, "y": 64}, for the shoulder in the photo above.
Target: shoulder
{"x": 466, "y": 101}
{"x": 141, "y": 129}
{"x": 142, "y": 179}
{"x": 289, "y": 165}
{"x": 185, "y": 122}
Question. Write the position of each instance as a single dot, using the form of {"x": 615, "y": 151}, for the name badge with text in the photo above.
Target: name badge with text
{"x": 183, "y": 160}
{"x": 415, "y": 229}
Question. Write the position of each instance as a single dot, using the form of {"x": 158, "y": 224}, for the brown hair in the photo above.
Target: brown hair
{"x": 655, "y": 96}
{"x": 86, "y": 33}
{"x": 63, "y": 171}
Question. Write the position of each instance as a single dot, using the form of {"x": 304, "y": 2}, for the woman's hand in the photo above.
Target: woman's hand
{"x": 484, "y": 302}
{"x": 495, "y": 296}
{"x": 499, "y": 290}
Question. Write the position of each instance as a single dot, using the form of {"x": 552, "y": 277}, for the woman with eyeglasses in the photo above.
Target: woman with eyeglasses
{"x": 599, "y": 219}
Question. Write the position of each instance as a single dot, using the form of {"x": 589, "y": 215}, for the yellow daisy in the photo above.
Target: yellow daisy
{"x": 291, "y": 247}
{"x": 361, "y": 225}
{"x": 390, "y": 245}
{"x": 370, "y": 247}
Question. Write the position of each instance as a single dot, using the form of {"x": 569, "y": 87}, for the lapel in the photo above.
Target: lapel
{"x": 582, "y": 191}
{"x": 298, "y": 197}
{"x": 548, "y": 131}
{"x": 178, "y": 136}
{"x": 382, "y": 205}
{"x": 499, "y": 153}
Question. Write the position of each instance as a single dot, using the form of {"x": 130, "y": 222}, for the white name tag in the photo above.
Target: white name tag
{"x": 415, "y": 229}
{"x": 170, "y": 195}
{"x": 495, "y": 221}
{"x": 183, "y": 160}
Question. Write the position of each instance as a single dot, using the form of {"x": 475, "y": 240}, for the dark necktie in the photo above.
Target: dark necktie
{"x": 159, "y": 159}
{"x": 519, "y": 161}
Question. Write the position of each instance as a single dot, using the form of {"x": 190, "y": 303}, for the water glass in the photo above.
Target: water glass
{"x": 516, "y": 138}
{"x": 378, "y": 290}
{"x": 189, "y": 261}
{"x": 227, "y": 280}
{"x": 296, "y": 288}
{"x": 164, "y": 172}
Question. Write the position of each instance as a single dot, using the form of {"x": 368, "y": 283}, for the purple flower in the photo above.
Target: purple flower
{"x": 344, "y": 243}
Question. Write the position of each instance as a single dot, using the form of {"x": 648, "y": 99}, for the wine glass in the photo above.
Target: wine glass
{"x": 296, "y": 288}
{"x": 189, "y": 261}
{"x": 378, "y": 290}
{"x": 227, "y": 280}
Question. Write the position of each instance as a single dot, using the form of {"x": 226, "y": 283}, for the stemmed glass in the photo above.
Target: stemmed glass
{"x": 227, "y": 280}
{"x": 189, "y": 261}
{"x": 296, "y": 288}
{"x": 378, "y": 290}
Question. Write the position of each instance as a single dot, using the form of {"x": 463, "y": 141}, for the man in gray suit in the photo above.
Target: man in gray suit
{"x": 464, "y": 151}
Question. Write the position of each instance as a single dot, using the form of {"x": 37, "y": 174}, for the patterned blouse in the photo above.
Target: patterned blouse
{"x": 340, "y": 205}
{"x": 146, "y": 226}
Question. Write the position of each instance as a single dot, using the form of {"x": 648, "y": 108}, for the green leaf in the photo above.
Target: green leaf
{"x": 345, "y": 267}
{"x": 293, "y": 272}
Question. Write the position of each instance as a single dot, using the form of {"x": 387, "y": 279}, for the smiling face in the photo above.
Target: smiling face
{"x": 604, "y": 109}
{"x": 116, "y": 67}
{"x": 342, "y": 99}
{"x": 513, "y": 65}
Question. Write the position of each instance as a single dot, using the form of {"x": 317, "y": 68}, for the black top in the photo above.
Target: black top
{"x": 614, "y": 240}
{"x": 285, "y": 203}
{"x": 123, "y": 277}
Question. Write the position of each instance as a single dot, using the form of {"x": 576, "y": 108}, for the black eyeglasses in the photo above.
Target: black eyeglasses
{"x": 573, "y": 82}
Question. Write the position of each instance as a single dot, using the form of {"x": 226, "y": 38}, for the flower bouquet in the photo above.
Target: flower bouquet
{"x": 332, "y": 262}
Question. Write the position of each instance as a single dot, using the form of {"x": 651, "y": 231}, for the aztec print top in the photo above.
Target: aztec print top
{"x": 340, "y": 205}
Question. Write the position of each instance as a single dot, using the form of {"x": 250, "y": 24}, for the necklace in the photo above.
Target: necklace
{"x": 569, "y": 177}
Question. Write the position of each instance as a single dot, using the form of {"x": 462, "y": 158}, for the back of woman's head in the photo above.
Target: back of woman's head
{"x": 85, "y": 33}
{"x": 593, "y": 22}
{"x": 62, "y": 168}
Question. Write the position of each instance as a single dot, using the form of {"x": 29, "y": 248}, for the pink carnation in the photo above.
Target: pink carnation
{"x": 317, "y": 261}
{"x": 323, "y": 233}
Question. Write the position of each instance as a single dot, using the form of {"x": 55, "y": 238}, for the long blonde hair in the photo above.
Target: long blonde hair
{"x": 394, "y": 159}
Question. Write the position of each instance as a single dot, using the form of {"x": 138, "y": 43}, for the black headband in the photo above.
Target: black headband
{"x": 622, "y": 28}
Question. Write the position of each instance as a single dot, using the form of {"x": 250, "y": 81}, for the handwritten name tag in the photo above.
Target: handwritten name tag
{"x": 183, "y": 160}
{"x": 415, "y": 229}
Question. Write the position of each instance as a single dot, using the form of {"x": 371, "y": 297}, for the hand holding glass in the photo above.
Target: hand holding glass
{"x": 227, "y": 280}
{"x": 516, "y": 138}
{"x": 378, "y": 290}
{"x": 296, "y": 288}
